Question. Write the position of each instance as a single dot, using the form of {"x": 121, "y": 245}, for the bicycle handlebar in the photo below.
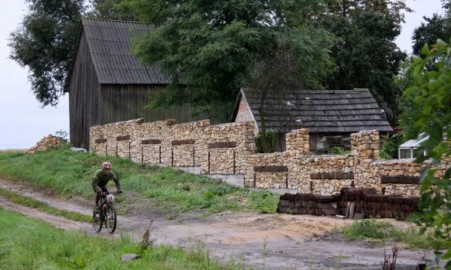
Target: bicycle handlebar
{"x": 104, "y": 193}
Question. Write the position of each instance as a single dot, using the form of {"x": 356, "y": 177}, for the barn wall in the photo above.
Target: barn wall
{"x": 93, "y": 104}
{"x": 126, "y": 102}
{"x": 83, "y": 96}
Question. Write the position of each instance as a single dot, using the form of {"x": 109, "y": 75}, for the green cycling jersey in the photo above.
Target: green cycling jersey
{"x": 101, "y": 179}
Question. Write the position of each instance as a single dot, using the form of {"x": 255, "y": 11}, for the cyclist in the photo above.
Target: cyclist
{"x": 101, "y": 179}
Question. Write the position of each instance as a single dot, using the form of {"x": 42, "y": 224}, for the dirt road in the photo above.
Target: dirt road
{"x": 260, "y": 241}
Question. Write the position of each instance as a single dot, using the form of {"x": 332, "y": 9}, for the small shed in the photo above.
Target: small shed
{"x": 330, "y": 115}
{"x": 409, "y": 148}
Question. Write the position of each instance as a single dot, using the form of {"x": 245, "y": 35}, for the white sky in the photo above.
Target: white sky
{"x": 23, "y": 121}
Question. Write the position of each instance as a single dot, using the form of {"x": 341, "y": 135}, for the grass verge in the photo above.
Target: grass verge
{"x": 31, "y": 244}
{"x": 385, "y": 231}
{"x": 171, "y": 191}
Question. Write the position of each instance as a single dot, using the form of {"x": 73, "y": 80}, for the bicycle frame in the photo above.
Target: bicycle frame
{"x": 105, "y": 213}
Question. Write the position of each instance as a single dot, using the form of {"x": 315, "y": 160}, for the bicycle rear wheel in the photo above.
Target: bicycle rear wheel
{"x": 111, "y": 218}
{"x": 97, "y": 219}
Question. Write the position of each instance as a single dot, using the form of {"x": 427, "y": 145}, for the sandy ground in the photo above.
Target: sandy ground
{"x": 259, "y": 241}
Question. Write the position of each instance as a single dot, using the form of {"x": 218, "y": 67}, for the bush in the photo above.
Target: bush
{"x": 390, "y": 145}
{"x": 264, "y": 201}
{"x": 268, "y": 142}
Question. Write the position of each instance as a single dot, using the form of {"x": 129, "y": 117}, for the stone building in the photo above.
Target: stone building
{"x": 329, "y": 115}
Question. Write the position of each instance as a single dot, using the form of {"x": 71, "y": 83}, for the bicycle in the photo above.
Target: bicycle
{"x": 105, "y": 213}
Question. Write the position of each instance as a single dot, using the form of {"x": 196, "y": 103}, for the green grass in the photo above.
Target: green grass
{"x": 171, "y": 191}
{"x": 29, "y": 244}
{"x": 32, "y": 203}
{"x": 384, "y": 231}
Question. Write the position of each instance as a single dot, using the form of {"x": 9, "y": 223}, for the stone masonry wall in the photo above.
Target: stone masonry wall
{"x": 226, "y": 148}
{"x": 230, "y": 149}
{"x": 216, "y": 149}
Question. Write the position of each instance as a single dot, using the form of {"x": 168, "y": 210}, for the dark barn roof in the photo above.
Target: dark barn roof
{"x": 109, "y": 43}
{"x": 321, "y": 111}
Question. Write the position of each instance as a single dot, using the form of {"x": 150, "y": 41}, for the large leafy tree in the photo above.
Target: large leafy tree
{"x": 437, "y": 27}
{"x": 446, "y": 4}
{"x": 366, "y": 55}
{"x": 44, "y": 43}
{"x": 45, "y": 40}
{"x": 427, "y": 108}
{"x": 110, "y": 9}
{"x": 213, "y": 48}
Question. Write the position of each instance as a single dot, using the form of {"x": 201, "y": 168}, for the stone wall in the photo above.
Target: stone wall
{"x": 230, "y": 149}
{"x": 216, "y": 149}
{"x": 226, "y": 148}
{"x": 160, "y": 142}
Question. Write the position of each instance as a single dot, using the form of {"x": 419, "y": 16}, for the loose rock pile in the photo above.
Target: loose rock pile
{"x": 46, "y": 143}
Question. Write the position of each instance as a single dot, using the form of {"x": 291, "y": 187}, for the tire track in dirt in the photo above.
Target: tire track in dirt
{"x": 58, "y": 222}
{"x": 262, "y": 241}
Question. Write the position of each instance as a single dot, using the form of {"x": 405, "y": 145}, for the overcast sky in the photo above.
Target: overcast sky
{"x": 23, "y": 121}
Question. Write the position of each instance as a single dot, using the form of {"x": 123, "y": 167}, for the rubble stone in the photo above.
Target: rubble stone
{"x": 48, "y": 142}
{"x": 230, "y": 149}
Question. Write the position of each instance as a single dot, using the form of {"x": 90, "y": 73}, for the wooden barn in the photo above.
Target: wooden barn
{"x": 330, "y": 115}
{"x": 107, "y": 83}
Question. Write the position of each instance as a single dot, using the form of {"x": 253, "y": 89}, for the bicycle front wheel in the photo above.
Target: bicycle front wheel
{"x": 111, "y": 218}
{"x": 97, "y": 219}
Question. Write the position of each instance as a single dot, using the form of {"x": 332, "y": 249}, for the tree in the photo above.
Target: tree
{"x": 366, "y": 55}
{"x": 213, "y": 47}
{"x": 110, "y": 9}
{"x": 45, "y": 41}
{"x": 437, "y": 27}
{"x": 45, "y": 44}
{"x": 286, "y": 66}
{"x": 427, "y": 108}
{"x": 446, "y": 4}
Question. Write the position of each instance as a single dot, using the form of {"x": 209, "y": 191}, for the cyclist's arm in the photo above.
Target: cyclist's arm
{"x": 116, "y": 182}
{"x": 95, "y": 182}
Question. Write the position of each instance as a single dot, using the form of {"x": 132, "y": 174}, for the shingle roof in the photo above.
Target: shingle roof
{"x": 321, "y": 111}
{"x": 110, "y": 46}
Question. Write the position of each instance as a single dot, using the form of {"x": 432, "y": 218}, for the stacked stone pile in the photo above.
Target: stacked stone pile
{"x": 298, "y": 140}
{"x": 48, "y": 142}
{"x": 365, "y": 144}
{"x": 230, "y": 149}
{"x": 227, "y": 147}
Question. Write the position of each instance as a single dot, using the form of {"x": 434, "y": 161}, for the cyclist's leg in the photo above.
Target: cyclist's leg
{"x": 99, "y": 195}
{"x": 96, "y": 197}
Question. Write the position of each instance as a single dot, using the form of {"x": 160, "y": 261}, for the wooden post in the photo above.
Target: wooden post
{"x": 129, "y": 150}
{"x": 234, "y": 166}
{"x": 255, "y": 180}
{"x": 117, "y": 154}
{"x": 106, "y": 149}
{"x": 194, "y": 157}
{"x": 142, "y": 154}
{"x": 172, "y": 157}
{"x": 159, "y": 153}
{"x": 208, "y": 162}
{"x": 286, "y": 180}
